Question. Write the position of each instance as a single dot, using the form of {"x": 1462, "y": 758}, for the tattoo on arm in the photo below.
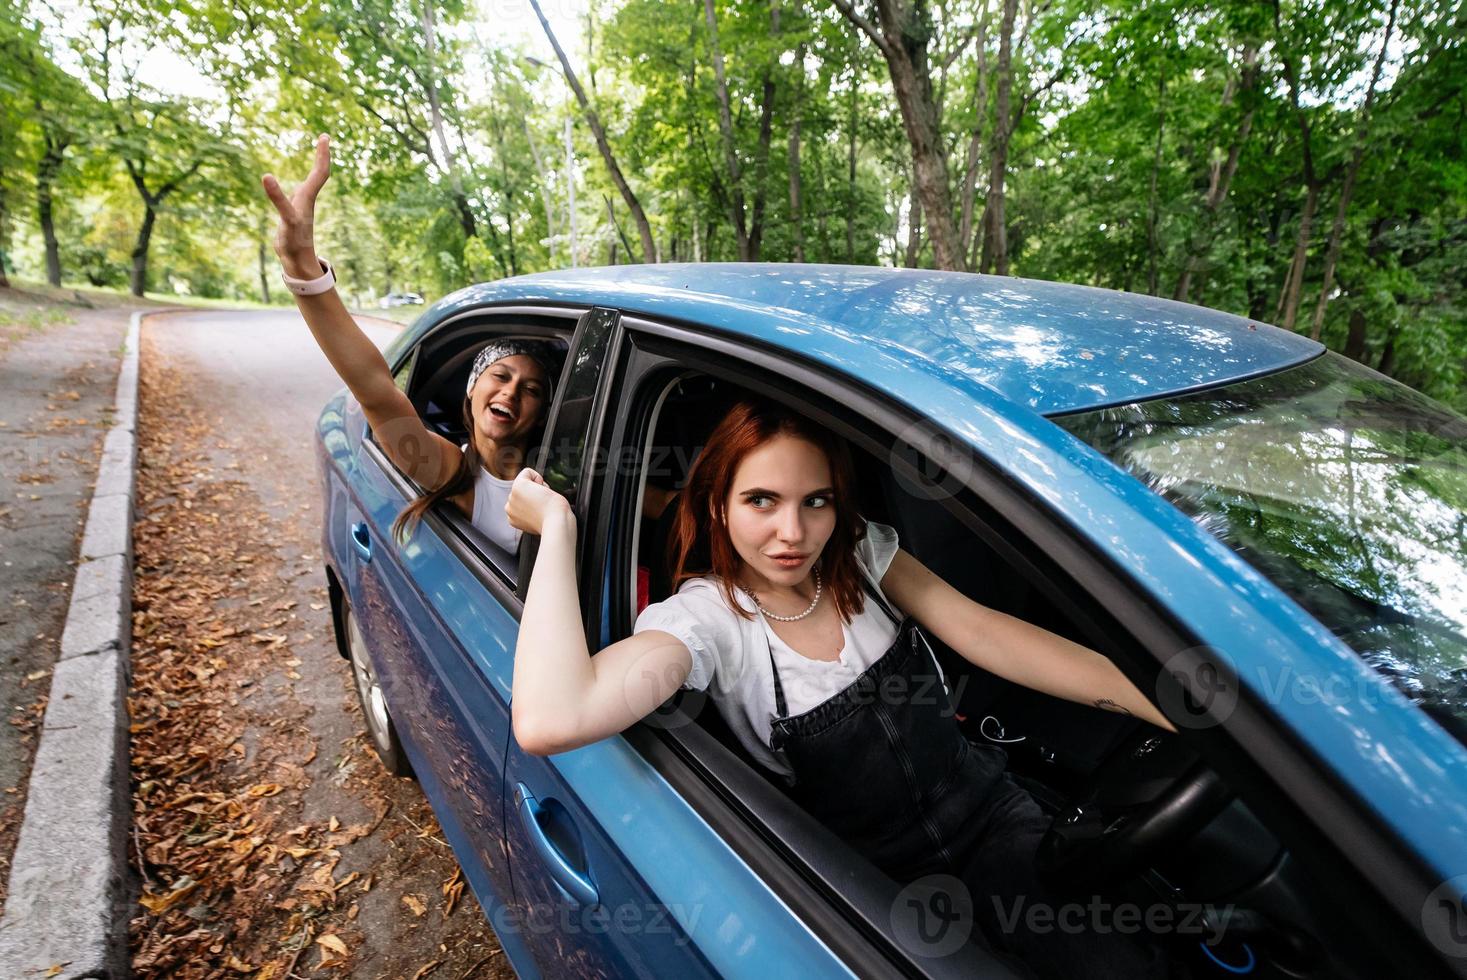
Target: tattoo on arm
{"x": 1106, "y": 704}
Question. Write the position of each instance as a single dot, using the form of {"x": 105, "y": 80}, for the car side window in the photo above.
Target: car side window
{"x": 403, "y": 376}
{"x": 434, "y": 376}
{"x": 936, "y": 522}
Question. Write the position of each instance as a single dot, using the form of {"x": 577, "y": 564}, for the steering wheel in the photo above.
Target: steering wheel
{"x": 1150, "y": 794}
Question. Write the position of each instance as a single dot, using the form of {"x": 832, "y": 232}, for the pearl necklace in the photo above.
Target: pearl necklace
{"x": 789, "y": 619}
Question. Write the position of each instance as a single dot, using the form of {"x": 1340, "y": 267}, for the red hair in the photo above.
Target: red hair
{"x": 699, "y": 542}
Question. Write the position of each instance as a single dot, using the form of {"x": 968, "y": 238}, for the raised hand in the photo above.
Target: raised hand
{"x": 531, "y": 502}
{"x": 294, "y": 236}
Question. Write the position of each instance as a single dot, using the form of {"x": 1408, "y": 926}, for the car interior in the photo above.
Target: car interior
{"x": 1129, "y": 778}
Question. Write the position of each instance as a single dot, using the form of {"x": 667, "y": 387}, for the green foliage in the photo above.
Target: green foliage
{"x": 1126, "y": 116}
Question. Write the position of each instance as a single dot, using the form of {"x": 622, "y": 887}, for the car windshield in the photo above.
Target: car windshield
{"x": 1346, "y": 488}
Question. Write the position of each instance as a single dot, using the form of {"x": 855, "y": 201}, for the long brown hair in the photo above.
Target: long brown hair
{"x": 699, "y": 542}
{"x": 462, "y": 480}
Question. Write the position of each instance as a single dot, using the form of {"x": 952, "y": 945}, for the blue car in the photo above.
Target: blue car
{"x": 1269, "y": 539}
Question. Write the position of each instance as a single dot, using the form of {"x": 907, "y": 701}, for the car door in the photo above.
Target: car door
{"x": 581, "y": 907}
{"x": 626, "y": 860}
{"x": 441, "y": 615}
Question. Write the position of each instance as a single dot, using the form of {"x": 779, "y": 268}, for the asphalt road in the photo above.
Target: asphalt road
{"x": 258, "y": 381}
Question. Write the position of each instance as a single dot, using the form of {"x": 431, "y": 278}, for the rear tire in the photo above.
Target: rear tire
{"x": 377, "y": 720}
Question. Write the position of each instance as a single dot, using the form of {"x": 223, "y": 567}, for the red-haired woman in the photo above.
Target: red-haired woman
{"x": 839, "y": 696}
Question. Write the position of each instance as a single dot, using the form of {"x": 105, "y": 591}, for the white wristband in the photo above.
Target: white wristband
{"x": 311, "y": 287}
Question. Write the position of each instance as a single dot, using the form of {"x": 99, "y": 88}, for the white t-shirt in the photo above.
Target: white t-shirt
{"x": 731, "y": 654}
{"x": 490, "y": 495}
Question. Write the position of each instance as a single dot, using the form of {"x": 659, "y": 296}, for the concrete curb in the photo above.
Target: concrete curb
{"x": 68, "y": 904}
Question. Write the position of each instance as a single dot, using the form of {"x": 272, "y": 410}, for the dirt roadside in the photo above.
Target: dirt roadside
{"x": 268, "y": 840}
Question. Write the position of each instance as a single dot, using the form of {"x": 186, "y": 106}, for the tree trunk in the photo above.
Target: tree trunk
{"x": 1387, "y": 364}
{"x": 1153, "y": 216}
{"x": 903, "y": 37}
{"x": 509, "y": 209}
{"x": 914, "y": 230}
{"x": 140, "y": 250}
{"x": 46, "y": 171}
{"x": 4, "y": 245}
{"x": 544, "y": 190}
{"x": 1337, "y": 230}
{"x": 435, "y": 111}
{"x": 264, "y": 275}
{"x": 1220, "y": 180}
{"x": 766, "y": 133}
{"x": 797, "y": 217}
{"x": 644, "y": 228}
{"x": 975, "y": 140}
{"x": 1287, "y": 311}
{"x": 570, "y": 193}
{"x": 1355, "y": 342}
{"x": 734, "y": 202}
{"x": 1288, "y": 308}
{"x": 995, "y": 235}
{"x": 851, "y": 173}
{"x": 611, "y": 210}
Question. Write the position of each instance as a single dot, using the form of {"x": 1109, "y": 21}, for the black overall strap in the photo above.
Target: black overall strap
{"x": 781, "y": 708}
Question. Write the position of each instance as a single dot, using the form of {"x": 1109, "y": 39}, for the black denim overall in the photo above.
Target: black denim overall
{"x": 884, "y": 765}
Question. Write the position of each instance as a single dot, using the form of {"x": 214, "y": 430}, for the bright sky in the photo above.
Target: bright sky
{"x": 507, "y": 22}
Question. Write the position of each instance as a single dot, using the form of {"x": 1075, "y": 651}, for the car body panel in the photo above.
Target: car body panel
{"x": 647, "y": 847}
{"x": 443, "y": 656}
{"x": 1047, "y": 346}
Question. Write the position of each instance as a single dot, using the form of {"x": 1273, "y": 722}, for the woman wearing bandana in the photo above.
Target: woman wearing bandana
{"x": 505, "y": 402}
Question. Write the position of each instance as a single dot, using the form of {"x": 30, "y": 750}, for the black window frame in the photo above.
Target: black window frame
{"x": 1289, "y": 789}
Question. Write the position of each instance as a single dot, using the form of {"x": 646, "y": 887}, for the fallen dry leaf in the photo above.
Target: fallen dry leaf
{"x": 158, "y": 904}
{"x": 414, "y": 903}
{"x": 333, "y": 951}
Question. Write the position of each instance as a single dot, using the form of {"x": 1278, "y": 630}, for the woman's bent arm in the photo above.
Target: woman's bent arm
{"x": 563, "y": 697}
{"x": 1011, "y": 648}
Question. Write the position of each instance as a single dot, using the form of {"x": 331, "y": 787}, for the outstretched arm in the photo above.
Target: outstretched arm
{"x": 425, "y": 456}
{"x": 563, "y": 697}
{"x": 1011, "y": 648}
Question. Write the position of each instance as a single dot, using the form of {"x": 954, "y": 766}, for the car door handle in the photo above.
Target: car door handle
{"x": 361, "y": 540}
{"x": 576, "y": 884}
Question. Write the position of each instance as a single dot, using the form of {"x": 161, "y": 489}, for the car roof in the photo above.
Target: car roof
{"x": 1049, "y": 346}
